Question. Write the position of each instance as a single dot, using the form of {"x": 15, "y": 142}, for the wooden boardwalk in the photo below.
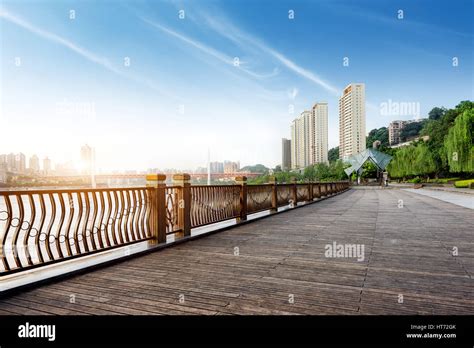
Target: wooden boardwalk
{"x": 278, "y": 265}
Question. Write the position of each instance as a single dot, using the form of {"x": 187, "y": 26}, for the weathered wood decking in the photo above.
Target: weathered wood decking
{"x": 408, "y": 252}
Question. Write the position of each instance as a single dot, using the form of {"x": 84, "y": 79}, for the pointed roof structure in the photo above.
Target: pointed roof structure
{"x": 380, "y": 159}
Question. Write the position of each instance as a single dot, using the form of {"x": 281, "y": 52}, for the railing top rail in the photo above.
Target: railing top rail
{"x": 232, "y": 185}
{"x": 47, "y": 191}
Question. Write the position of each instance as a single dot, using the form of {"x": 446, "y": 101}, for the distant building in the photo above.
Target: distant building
{"x": 47, "y": 166}
{"x": 300, "y": 136}
{"x": 231, "y": 167}
{"x": 395, "y": 129}
{"x": 309, "y": 137}
{"x": 217, "y": 167}
{"x": 285, "y": 154}
{"x": 87, "y": 159}
{"x": 11, "y": 162}
{"x": 352, "y": 120}
{"x": 20, "y": 161}
{"x": 319, "y": 134}
{"x": 34, "y": 164}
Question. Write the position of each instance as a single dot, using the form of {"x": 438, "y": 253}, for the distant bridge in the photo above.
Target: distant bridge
{"x": 142, "y": 176}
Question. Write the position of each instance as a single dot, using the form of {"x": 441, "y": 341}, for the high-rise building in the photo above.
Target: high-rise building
{"x": 300, "y": 140}
{"x": 231, "y": 167}
{"x": 87, "y": 159}
{"x": 352, "y": 120}
{"x": 309, "y": 137}
{"x": 47, "y": 166}
{"x": 11, "y": 162}
{"x": 20, "y": 160}
{"x": 285, "y": 154}
{"x": 217, "y": 167}
{"x": 34, "y": 164}
{"x": 319, "y": 134}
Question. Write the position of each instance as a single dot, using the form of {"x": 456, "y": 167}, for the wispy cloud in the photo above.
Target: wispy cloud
{"x": 89, "y": 55}
{"x": 224, "y": 27}
{"x": 208, "y": 50}
{"x": 59, "y": 40}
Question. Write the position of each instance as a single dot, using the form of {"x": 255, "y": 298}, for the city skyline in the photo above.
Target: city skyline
{"x": 138, "y": 76}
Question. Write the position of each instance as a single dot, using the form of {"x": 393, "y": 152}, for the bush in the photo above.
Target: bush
{"x": 463, "y": 183}
{"x": 416, "y": 180}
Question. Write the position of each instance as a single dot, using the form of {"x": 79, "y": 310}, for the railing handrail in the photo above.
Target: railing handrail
{"x": 44, "y": 226}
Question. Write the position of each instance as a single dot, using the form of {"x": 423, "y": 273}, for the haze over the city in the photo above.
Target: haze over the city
{"x": 151, "y": 86}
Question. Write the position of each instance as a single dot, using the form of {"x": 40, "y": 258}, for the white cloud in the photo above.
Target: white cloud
{"x": 90, "y": 56}
{"x": 209, "y": 50}
{"x": 225, "y": 28}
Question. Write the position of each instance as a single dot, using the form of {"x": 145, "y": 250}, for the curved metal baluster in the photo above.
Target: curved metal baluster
{"x": 69, "y": 224}
{"x": 16, "y": 233}
{"x": 50, "y": 226}
{"x": 101, "y": 221}
{"x": 147, "y": 212}
{"x": 121, "y": 232}
{"x": 80, "y": 212}
{"x": 135, "y": 215}
{"x": 126, "y": 205}
{"x": 114, "y": 216}
{"x": 94, "y": 200}
{"x": 61, "y": 222}
{"x": 86, "y": 222}
{"x": 40, "y": 228}
{"x": 28, "y": 232}
{"x": 4, "y": 236}
{"x": 141, "y": 205}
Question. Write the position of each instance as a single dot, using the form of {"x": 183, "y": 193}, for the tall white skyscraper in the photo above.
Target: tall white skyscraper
{"x": 87, "y": 159}
{"x": 34, "y": 164}
{"x": 352, "y": 120}
{"x": 319, "y": 133}
{"x": 309, "y": 137}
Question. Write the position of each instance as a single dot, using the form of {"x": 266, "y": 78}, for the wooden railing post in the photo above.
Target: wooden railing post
{"x": 242, "y": 181}
{"x": 272, "y": 181}
{"x": 294, "y": 192}
{"x": 318, "y": 193}
{"x": 157, "y": 187}
{"x": 310, "y": 191}
{"x": 184, "y": 203}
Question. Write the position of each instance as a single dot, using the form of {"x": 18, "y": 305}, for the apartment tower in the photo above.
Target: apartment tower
{"x": 285, "y": 154}
{"x": 352, "y": 120}
{"x": 318, "y": 150}
{"x": 309, "y": 137}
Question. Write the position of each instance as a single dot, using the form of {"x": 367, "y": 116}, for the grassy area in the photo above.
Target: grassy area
{"x": 444, "y": 180}
{"x": 463, "y": 183}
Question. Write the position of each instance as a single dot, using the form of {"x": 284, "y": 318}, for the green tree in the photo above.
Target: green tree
{"x": 369, "y": 170}
{"x": 333, "y": 154}
{"x": 411, "y": 130}
{"x": 436, "y": 113}
{"x": 380, "y": 134}
{"x": 458, "y": 145}
{"x": 309, "y": 173}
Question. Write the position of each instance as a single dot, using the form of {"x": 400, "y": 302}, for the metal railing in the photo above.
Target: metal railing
{"x": 40, "y": 227}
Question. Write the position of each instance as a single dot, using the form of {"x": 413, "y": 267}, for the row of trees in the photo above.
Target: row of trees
{"x": 317, "y": 172}
{"x": 449, "y": 148}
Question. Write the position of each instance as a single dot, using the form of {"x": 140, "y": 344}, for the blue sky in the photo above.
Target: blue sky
{"x": 182, "y": 92}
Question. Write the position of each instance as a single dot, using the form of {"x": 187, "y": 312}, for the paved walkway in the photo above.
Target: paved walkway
{"x": 278, "y": 265}
{"x": 461, "y": 199}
